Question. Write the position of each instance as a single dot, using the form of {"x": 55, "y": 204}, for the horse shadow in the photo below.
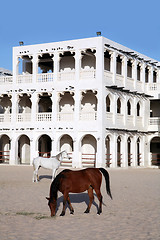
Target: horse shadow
{"x": 76, "y": 198}
{"x": 45, "y": 176}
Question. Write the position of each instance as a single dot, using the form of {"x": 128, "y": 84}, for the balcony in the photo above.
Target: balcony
{"x": 119, "y": 80}
{"x": 66, "y": 76}
{"x": 6, "y": 80}
{"x": 24, "y": 117}
{"x": 44, "y": 117}
{"x": 87, "y": 116}
{"x": 5, "y": 118}
{"x": 88, "y": 74}
{"x": 108, "y": 78}
{"x": 154, "y": 124}
{"x": 65, "y": 116}
{"x": 130, "y": 83}
{"x": 45, "y": 77}
{"x": 26, "y": 78}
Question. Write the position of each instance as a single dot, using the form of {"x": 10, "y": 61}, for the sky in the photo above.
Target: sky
{"x": 134, "y": 24}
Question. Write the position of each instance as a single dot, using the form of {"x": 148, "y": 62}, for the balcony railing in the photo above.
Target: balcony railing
{"x": 90, "y": 73}
{"x": 6, "y": 80}
{"x": 66, "y": 76}
{"x": 6, "y": 117}
{"x": 86, "y": 116}
{"x": 26, "y": 78}
{"x": 45, "y": 77}
{"x": 108, "y": 77}
{"x": 24, "y": 117}
{"x": 154, "y": 121}
{"x": 44, "y": 117}
{"x": 68, "y": 116}
{"x": 119, "y": 80}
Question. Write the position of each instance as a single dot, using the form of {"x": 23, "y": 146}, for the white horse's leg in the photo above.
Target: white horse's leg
{"x": 53, "y": 173}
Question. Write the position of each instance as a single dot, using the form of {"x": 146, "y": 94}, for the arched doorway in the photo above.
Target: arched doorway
{"x": 66, "y": 143}
{"x": 4, "y": 149}
{"x": 138, "y": 153}
{"x": 129, "y": 151}
{"x": 24, "y": 150}
{"x": 44, "y": 146}
{"x": 119, "y": 154}
{"x": 89, "y": 150}
{"x": 108, "y": 152}
{"x": 155, "y": 151}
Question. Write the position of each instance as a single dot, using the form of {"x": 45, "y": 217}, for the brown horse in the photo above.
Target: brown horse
{"x": 75, "y": 182}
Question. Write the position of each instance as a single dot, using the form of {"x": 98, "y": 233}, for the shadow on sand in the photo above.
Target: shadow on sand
{"x": 76, "y": 198}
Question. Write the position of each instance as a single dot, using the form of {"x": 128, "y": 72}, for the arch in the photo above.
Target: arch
{"x": 88, "y": 106}
{"x": 88, "y": 60}
{"x": 66, "y": 143}
{"x": 155, "y": 151}
{"x": 24, "y": 150}
{"x": 129, "y": 151}
{"x": 138, "y": 109}
{"x": 108, "y": 103}
{"x": 44, "y": 104}
{"x": 119, "y": 154}
{"x": 24, "y": 104}
{"x": 108, "y": 151}
{"x": 128, "y": 107}
{"x": 138, "y": 151}
{"x": 119, "y": 105}
{"x": 44, "y": 145}
{"x": 66, "y": 107}
{"x": 88, "y": 150}
{"x": 4, "y": 149}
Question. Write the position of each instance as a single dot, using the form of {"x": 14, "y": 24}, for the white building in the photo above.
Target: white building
{"x": 93, "y": 97}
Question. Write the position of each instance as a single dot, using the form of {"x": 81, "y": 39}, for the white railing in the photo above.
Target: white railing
{"x": 154, "y": 87}
{"x": 109, "y": 116}
{"x": 154, "y": 121}
{"x": 108, "y": 77}
{"x": 66, "y": 76}
{"x": 129, "y": 119}
{"x": 130, "y": 83}
{"x": 139, "y": 86}
{"x": 6, "y": 80}
{"x": 119, "y": 80}
{"x": 23, "y": 117}
{"x": 5, "y": 117}
{"x": 44, "y": 117}
{"x": 26, "y": 78}
{"x": 91, "y": 73}
{"x": 68, "y": 116}
{"x": 45, "y": 77}
{"x": 86, "y": 116}
{"x": 139, "y": 122}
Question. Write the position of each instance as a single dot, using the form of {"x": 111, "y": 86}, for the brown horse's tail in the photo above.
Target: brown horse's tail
{"x": 106, "y": 176}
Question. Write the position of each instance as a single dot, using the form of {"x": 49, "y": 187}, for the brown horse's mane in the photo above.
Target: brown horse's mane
{"x": 55, "y": 184}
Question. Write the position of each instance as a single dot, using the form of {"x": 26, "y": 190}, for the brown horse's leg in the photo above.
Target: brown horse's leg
{"x": 91, "y": 198}
{"x": 99, "y": 196}
{"x": 65, "y": 197}
{"x": 70, "y": 205}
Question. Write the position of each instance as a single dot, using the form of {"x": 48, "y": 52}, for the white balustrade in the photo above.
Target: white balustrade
{"x": 6, "y": 80}
{"x": 44, "y": 117}
{"x": 66, "y": 76}
{"x": 130, "y": 83}
{"x": 26, "y": 78}
{"x": 5, "y": 117}
{"x": 86, "y": 116}
{"x": 23, "y": 117}
{"x": 90, "y": 73}
{"x": 154, "y": 121}
{"x": 119, "y": 80}
{"x": 45, "y": 77}
{"x": 108, "y": 77}
{"x": 65, "y": 116}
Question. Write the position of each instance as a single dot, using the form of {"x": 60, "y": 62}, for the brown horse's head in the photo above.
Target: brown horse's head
{"x": 52, "y": 203}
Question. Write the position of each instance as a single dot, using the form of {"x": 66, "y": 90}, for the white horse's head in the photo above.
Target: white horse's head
{"x": 64, "y": 154}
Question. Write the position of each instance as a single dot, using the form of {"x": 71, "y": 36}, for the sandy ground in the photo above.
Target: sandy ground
{"x": 134, "y": 212}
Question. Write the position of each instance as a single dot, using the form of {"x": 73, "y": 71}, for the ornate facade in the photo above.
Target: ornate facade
{"x": 93, "y": 97}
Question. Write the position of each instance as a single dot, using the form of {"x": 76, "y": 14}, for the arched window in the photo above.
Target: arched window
{"x": 128, "y": 108}
{"x": 118, "y": 106}
{"x": 138, "y": 109}
{"x": 108, "y": 102}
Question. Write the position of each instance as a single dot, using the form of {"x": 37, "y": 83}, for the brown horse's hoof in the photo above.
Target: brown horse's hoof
{"x": 87, "y": 211}
{"x": 62, "y": 214}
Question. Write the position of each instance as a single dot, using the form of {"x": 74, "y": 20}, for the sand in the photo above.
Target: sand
{"x": 134, "y": 212}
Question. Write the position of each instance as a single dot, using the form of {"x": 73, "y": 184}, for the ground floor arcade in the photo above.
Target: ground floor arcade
{"x": 116, "y": 149}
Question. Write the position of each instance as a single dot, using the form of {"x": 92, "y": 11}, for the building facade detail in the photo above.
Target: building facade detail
{"x": 93, "y": 97}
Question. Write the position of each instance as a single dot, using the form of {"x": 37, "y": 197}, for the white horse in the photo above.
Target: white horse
{"x": 52, "y": 163}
